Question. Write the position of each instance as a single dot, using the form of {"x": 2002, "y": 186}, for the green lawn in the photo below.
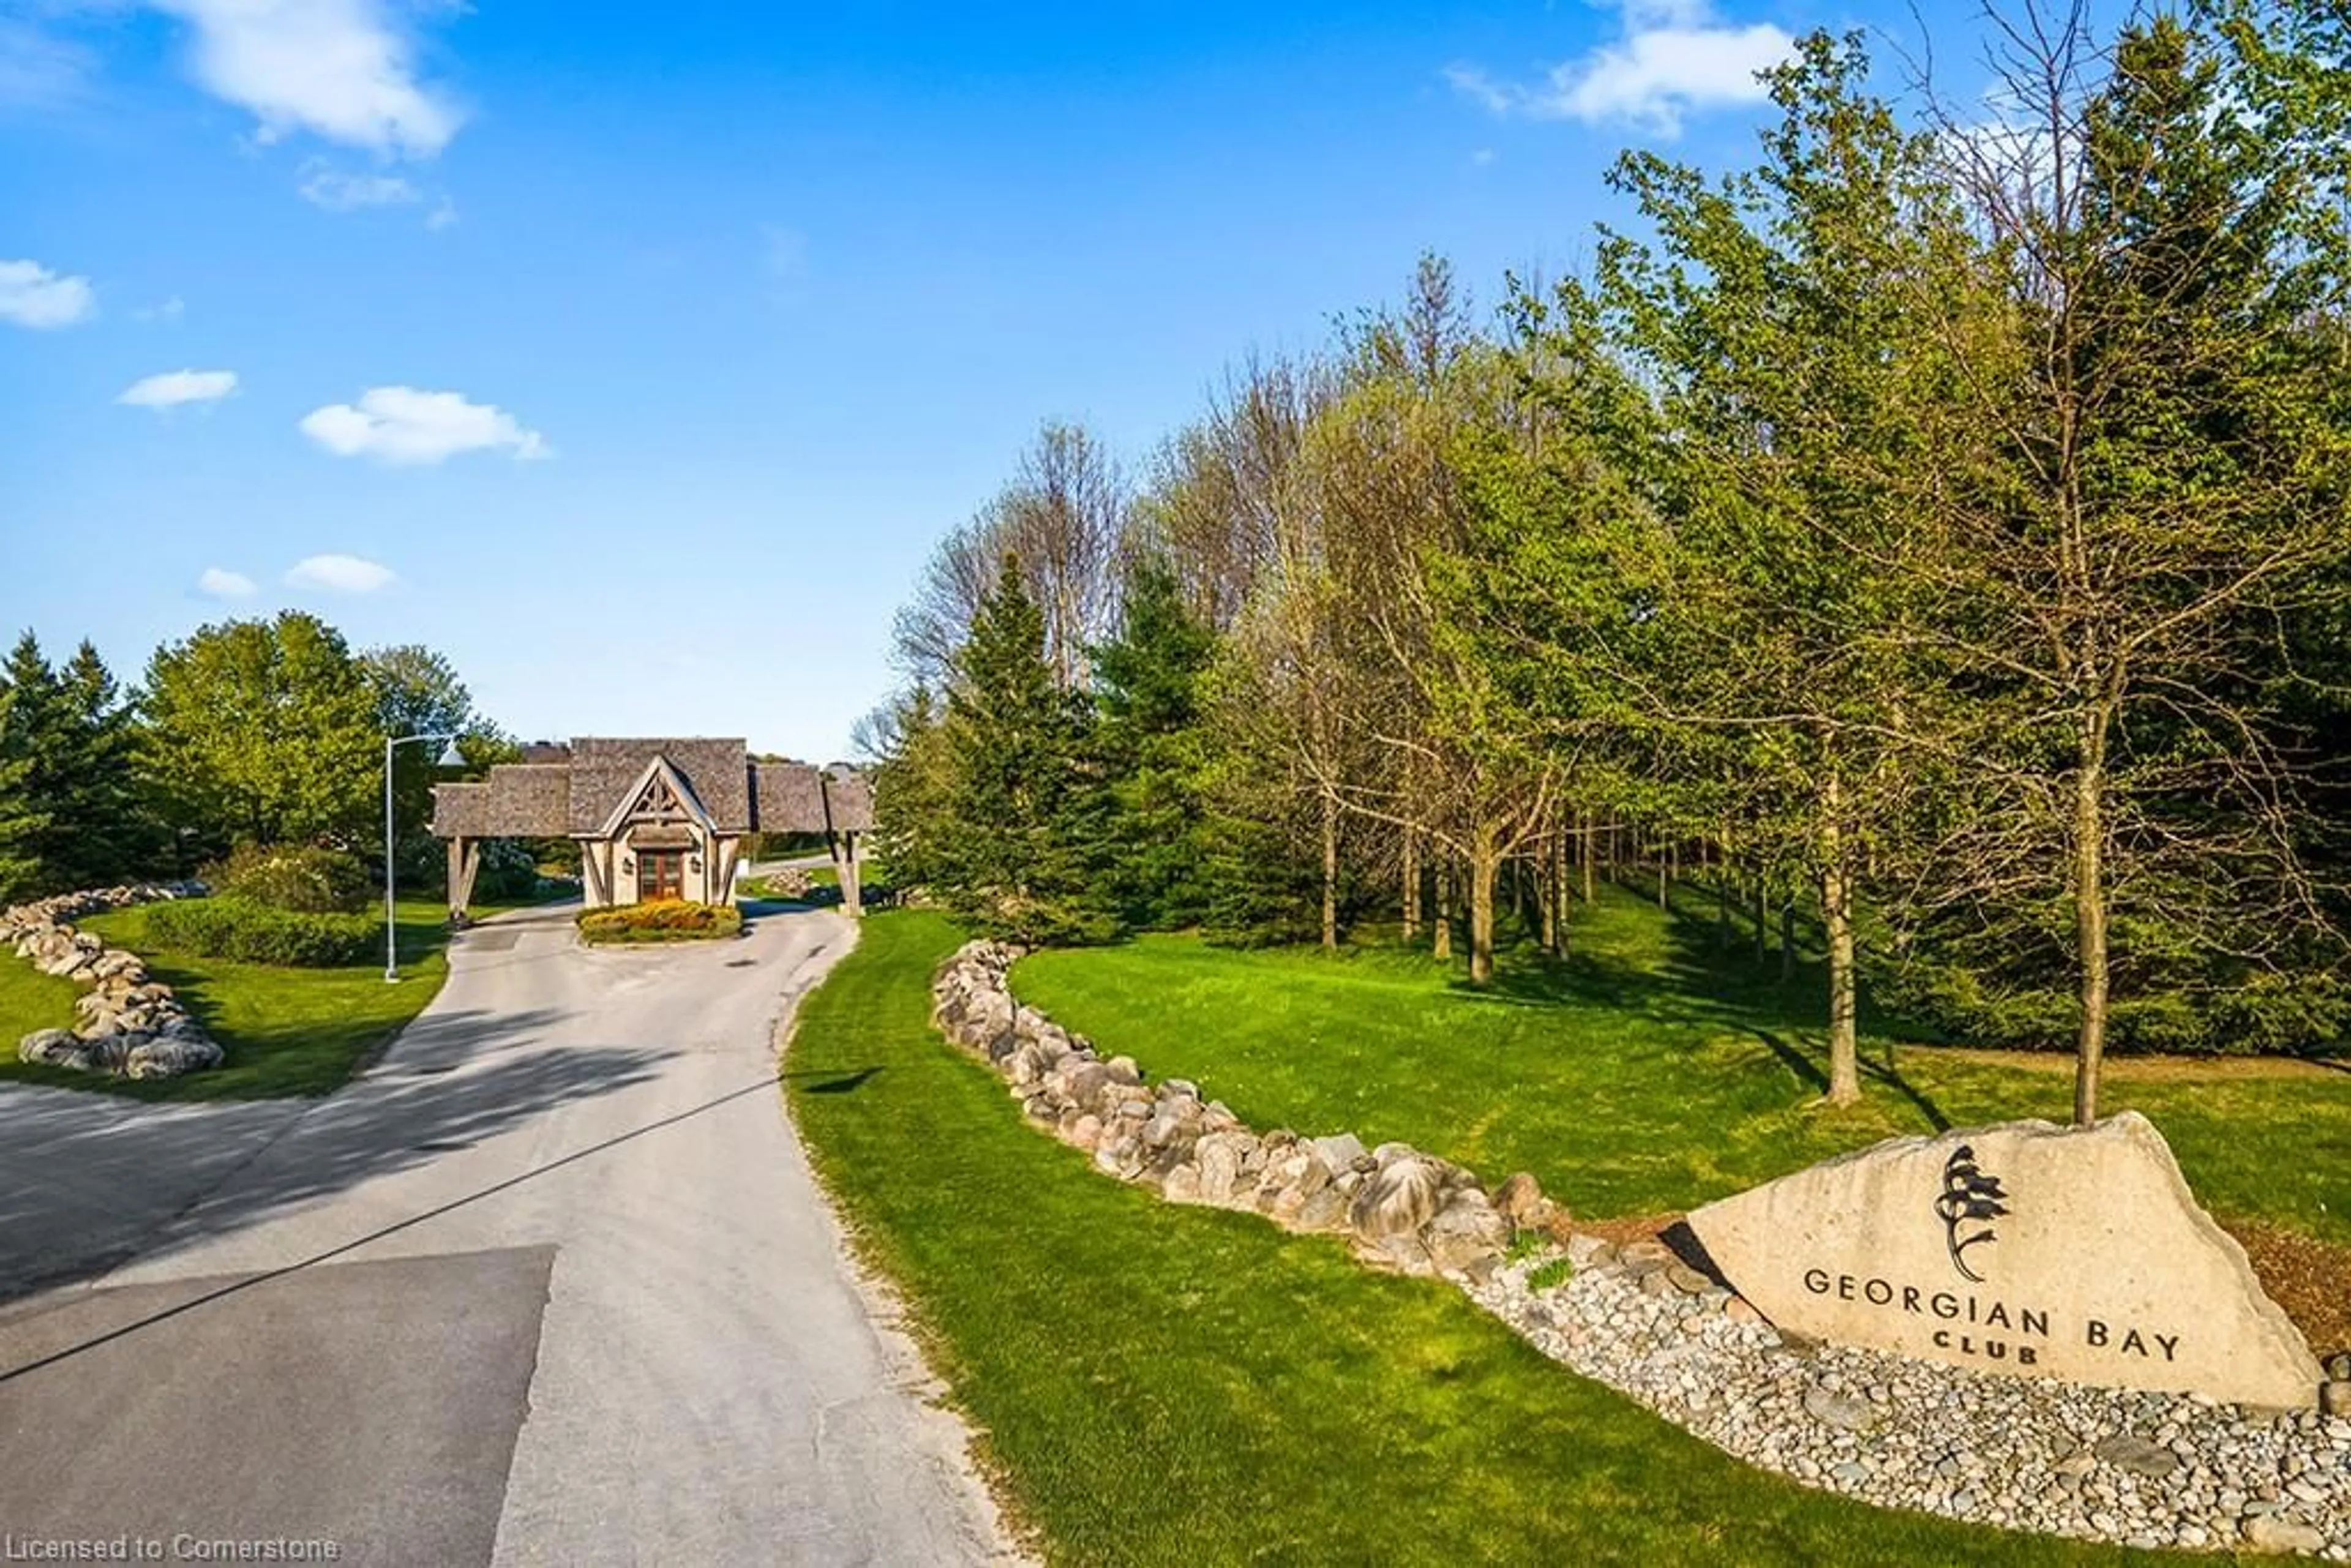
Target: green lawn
{"x": 1652, "y": 1072}
{"x": 1161, "y": 1384}
{"x": 287, "y": 1031}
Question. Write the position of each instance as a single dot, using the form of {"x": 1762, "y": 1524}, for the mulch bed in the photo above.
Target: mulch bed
{"x": 2311, "y": 1279}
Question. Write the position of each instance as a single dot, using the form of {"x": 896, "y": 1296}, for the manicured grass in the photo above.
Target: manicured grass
{"x": 1651, "y": 1073}
{"x": 287, "y": 1031}
{"x": 1160, "y": 1384}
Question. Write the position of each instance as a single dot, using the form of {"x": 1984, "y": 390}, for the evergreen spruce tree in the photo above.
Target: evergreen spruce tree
{"x": 36, "y": 745}
{"x": 1151, "y": 747}
{"x": 1012, "y": 846}
{"x": 21, "y": 822}
{"x": 106, "y": 836}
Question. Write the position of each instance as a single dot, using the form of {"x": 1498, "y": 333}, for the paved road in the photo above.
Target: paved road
{"x": 551, "y": 1283}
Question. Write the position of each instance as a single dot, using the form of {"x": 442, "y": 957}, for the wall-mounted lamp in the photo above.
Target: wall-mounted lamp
{"x": 628, "y": 866}
{"x": 694, "y": 864}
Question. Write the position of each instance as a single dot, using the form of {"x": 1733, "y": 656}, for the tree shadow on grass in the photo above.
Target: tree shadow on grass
{"x": 833, "y": 1082}
{"x": 1684, "y": 972}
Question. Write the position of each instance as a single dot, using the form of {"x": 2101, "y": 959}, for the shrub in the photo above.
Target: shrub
{"x": 509, "y": 870}
{"x": 303, "y": 878}
{"x": 228, "y": 926}
{"x": 672, "y": 920}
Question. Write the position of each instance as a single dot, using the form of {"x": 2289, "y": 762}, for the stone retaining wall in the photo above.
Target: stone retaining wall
{"x": 2148, "y": 1469}
{"x": 131, "y": 1025}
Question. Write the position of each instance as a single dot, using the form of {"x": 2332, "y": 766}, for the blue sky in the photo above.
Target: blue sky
{"x": 635, "y": 357}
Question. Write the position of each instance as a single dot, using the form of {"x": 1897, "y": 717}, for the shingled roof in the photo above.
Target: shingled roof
{"x": 576, "y": 792}
{"x": 603, "y": 769}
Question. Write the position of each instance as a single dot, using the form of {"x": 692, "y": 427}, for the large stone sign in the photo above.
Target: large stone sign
{"x": 2074, "y": 1253}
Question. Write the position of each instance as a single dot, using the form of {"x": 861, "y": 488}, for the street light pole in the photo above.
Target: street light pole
{"x": 449, "y": 758}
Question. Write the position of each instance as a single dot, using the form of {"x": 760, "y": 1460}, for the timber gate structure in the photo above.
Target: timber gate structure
{"x": 654, "y": 819}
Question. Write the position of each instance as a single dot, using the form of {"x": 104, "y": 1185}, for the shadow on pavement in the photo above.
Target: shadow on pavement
{"x": 85, "y": 1184}
{"x": 763, "y": 1085}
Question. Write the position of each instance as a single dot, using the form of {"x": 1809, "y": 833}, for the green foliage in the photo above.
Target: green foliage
{"x": 238, "y": 928}
{"x": 305, "y": 878}
{"x": 668, "y": 920}
{"x": 22, "y": 821}
{"x": 1010, "y": 847}
{"x": 1150, "y": 744}
{"x": 1551, "y": 1275}
{"x": 70, "y": 815}
{"x": 1651, "y": 1073}
{"x": 264, "y": 731}
{"x": 509, "y": 872}
{"x": 287, "y": 1031}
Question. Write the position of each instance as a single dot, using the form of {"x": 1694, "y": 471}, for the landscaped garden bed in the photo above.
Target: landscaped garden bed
{"x": 669, "y": 920}
{"x": 1158, "y": 1382}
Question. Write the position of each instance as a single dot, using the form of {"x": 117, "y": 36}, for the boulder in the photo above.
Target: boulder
{"x": 2275, "y": 1533}
{"x": 1396, "y": 1199}
{"x": 1219, "y": 1157}
{"x": 47, "y": 1046}
{"x": 1325, "y": 1210}
{"x": 1465, "y": 1230}
{"x": 167, "y": 1057}
{"x": 1339, "y": 1151}
{"x": 2085, "y": 1240}
{"x": 1517, "y": 1198}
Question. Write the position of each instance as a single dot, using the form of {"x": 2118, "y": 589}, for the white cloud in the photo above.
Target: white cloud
{"x": 1676, "y": 58}
{"x": 401, "y": 424}
{"x": 216, "y": 584}
{"x": 341, "y": 69}
{"x": 443, "y": 216}
{"x": 338, "y": 574}
{"x": 339, "y": 192}
{"x": 33, "y": 296}
{"x": 173, "y": 387}
{"x": 172, "y": 309}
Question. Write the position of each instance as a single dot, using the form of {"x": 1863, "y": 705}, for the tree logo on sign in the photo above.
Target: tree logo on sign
{"x": 1970, "y": 1198}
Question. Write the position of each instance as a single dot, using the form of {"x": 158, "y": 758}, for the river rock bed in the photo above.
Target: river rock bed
{"x": 2147, "y": 1470}
{"x": 2031, "y": 1454}
{"x": 130, "y": 1024}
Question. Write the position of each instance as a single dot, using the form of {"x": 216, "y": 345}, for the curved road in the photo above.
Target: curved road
{"x": 548, "y": 1283}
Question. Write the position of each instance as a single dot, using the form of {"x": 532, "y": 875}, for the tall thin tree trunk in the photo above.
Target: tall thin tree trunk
{"x": 1483, "y": 864}
{"x": 1663, "y": 892}
{"x": 1561, "y": 895}
{"x": 1411, "y": 885}
{"x": 1329, "y": 875}
{"x": 1725, "y": 890}
{"x": 1836, "y": 915}
{"x": 1762, "y": 929}
{"x": 1588, "y": 854}
{"x": 1547, "y": 894}
{"x": 1787, "y": 940}
{"x": 1442, "y": 947}
{"x": 2090, "y": 920}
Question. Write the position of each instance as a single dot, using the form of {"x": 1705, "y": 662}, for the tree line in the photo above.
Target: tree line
{"x": 246, "y": 733}
{"x": 1934, "y": 532}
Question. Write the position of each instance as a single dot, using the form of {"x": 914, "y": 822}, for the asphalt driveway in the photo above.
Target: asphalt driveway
{"x": 549, "y": 1283}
